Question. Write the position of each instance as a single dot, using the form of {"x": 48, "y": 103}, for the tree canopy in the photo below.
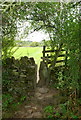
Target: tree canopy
{"x": 58, "y": 19}
{"x": 62, "y": 22}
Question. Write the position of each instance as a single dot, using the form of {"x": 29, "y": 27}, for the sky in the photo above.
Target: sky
{"x": 34, "y": 36}
{"x": 37, "y": 36}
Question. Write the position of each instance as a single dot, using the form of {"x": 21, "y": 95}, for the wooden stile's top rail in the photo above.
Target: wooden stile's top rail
{"x": 46, "y": 51}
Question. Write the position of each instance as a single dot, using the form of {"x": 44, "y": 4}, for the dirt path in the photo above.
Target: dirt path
{"x": 35, "y": 108}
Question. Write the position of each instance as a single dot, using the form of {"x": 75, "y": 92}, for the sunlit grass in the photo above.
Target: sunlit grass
{"x": 35, "y": 52}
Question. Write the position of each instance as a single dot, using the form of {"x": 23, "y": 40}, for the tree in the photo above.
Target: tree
{"x": 34, "y": 44}
{"x": 9, "y": 30}
{"x": 11, "y": 13}
{"x": 59, "y": 20}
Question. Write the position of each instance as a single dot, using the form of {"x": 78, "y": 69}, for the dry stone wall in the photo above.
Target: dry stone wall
{"x": 22, "y": 75}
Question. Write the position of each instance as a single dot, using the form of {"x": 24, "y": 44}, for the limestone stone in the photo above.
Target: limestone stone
{"x": 43, "y": 90}
{"x": 37, "y": 115}
{"x": 28, "y": 106}
{"x": 40, "y": 98}
{"x": 30, "y": 111}
{"x": 37, "y": 94}
{"x": 28, "y": 116}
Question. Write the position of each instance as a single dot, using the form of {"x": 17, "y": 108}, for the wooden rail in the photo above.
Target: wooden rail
{"x": 47, "y": 58}
{"x": 46, "y": 51}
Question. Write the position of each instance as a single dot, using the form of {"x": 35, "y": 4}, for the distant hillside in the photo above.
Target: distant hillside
{"x": 29, "y": 44}
{"x": 32, "y": 44}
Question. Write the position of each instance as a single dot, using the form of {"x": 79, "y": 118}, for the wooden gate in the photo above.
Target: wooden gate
{"x": 59, "y": 57}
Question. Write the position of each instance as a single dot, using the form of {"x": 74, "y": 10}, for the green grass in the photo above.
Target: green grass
{"x": 35, "y": 52}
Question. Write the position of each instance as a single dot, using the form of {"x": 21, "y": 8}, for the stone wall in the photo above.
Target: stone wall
{"x": 21, "y": 76}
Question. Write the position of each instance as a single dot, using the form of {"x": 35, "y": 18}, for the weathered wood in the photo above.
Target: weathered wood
{"x": 57, "y": 53}
{"x": 48, "y": 61}
{"x": 63, "y": 55}
{"x": 60, "y": 61}
{"x": 46, "y": 51}
{"x": 46, "y": 57}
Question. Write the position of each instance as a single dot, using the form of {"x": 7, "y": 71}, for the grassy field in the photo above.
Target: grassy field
{"x": 35, "y": 52}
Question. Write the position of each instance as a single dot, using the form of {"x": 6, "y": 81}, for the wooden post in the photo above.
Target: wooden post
{"x": 44, "y": 51}
{"x": 57, "y": 53}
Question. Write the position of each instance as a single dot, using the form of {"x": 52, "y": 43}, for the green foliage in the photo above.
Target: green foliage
{"x": 63, "y": 111}
{"x": 22, "y": 98}
{"x": 6, "y": 80}
{"x": 7, "y": 100}
{"x": 61, "y": 22}
{"x": 50, "y": 116}
{"x": 34, "y": 44}
{"x": 9, "y": 96}
{"x": 48, "y": 109}
{"x": 9, "y": 31}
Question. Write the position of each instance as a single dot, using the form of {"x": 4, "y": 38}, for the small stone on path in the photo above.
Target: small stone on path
{"x": 30, "y": 111}
{"x": 27, "y": 106}
{"x": 29, "y": 116}
{"x": 40, "y": 98}
{"x": 38, "y": 94}
{"x": 43, "y": 90}
{"x": 37, "y": 115}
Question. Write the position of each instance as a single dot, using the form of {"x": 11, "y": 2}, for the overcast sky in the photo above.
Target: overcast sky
{"x": 35, "y": 36}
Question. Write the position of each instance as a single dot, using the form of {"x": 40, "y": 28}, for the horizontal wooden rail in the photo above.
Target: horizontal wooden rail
{"x": 60, "y": 61}
{"x": 63, "y": 55}
{"x": 47, "y": 60}
{"x": 57, "y": 54}
{"x": 46, "y": 57}
{"x": 46, "y": 51}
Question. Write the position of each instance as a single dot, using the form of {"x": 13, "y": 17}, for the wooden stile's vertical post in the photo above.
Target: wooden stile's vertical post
{"x": 44, "y": 51}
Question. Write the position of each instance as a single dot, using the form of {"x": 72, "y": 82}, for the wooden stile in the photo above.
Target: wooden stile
{"x": 47, "y": 58}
